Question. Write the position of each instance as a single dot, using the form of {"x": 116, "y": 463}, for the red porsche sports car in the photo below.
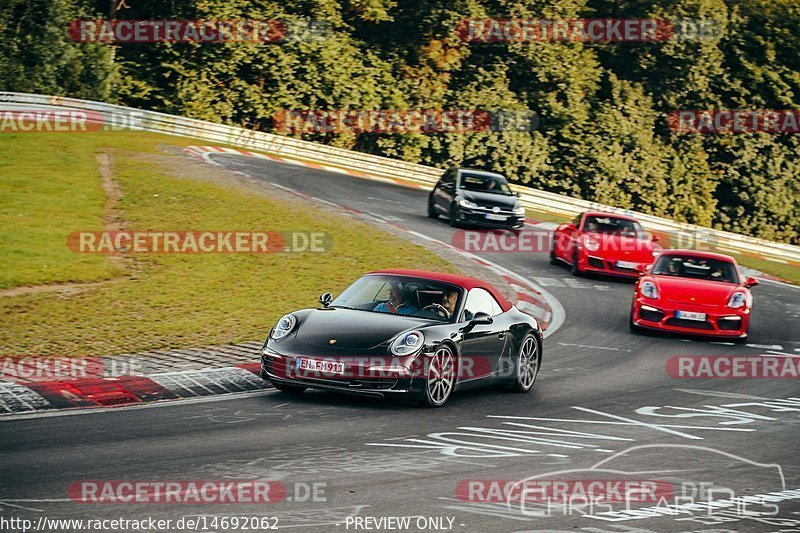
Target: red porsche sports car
{"x": 605, "y": 243}
{"x": 688, "y": 291}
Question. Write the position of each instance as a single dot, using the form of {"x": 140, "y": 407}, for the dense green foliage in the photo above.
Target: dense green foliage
{"x": 602, "y": 135}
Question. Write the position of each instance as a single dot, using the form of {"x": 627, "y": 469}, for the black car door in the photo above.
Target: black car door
{"x": 445, "y": 190}
{"x": 482, "y": 345}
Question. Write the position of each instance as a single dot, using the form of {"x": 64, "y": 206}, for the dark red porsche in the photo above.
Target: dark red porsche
{"x": 604, "y": 243}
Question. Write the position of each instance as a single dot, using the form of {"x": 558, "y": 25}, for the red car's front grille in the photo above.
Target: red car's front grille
{"x": 692, "y": 324}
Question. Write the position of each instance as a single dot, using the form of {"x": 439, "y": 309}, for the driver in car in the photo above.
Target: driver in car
{"x": 449, "y": 300}
{"x": 397, "y": 303}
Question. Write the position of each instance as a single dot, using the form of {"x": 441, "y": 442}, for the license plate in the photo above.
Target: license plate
{"x": 492, "y": 216}
{"x": 320, "y": 365}
{"x": 625, "y": 264}
{"x": 687, "y": 315}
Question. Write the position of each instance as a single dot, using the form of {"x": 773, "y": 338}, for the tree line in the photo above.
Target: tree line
{"x": 602, "y": 131}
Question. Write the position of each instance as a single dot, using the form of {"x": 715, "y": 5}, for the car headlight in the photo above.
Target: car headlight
{"x": 519, "y": 210}
{"x": 649, "y": 290}
{"x": 737, "y": 300}
{"x": 590, "y": 244}
{"x": 407, "y": 343}
{"x": 468, "y": 204}
{"x": 283, "y": 327}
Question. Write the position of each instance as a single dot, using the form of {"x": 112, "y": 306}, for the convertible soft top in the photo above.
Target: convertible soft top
{"x": 454, "y": 279}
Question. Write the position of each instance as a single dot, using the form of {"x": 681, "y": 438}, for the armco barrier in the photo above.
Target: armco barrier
{"x": 382, "y": 166}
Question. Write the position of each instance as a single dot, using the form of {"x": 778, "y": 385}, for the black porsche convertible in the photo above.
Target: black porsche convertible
{"x": 392, "y": 333}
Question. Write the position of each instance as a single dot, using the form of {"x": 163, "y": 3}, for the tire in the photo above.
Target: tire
{"x": 432, "y": 209}
{"x": 574, "y": 269}
{"x": 527, "y": 365}
{"x": 553, "y": 259}
{"x": 440, "y": 379}
{"x": 453, "y": 216}
{"x": 289, "y": 389}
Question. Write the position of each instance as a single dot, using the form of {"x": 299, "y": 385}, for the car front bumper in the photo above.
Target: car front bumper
{"x": 362, "y": 377}
{"x": 600, "y": 265}
{"x": 477, "y": 217}
{"x": 719, "y": 322}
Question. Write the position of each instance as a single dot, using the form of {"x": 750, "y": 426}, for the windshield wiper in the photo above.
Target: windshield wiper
{"x": 345, "y": 307}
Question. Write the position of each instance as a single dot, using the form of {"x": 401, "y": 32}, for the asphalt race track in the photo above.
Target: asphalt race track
{"x": 603, "y": 395}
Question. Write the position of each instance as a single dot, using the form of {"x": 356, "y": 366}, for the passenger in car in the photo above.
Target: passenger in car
{"x": 398, "y": 302}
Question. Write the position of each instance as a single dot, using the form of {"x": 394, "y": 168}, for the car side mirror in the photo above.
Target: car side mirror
{"x": 751, "y": 282}
{"x": 325, "y": 299}
{"x": 481, "y": 319}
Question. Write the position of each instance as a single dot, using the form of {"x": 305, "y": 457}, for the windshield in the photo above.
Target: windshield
{"x": 613, "y": 226}
{"x": 688, "y": 266}
{"x": 485, "y": 183}
{"x": 401, "y": 295}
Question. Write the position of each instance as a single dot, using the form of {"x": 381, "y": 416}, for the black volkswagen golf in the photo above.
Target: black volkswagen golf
{"x": 476, "y": 197}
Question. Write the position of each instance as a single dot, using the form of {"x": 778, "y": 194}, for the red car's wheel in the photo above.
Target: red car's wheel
{"x": 575, "y": 268}
{"x": 553, "y": 257}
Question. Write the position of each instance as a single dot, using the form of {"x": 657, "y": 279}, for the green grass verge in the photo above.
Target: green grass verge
{"x": 177, "y": 300}
{"x": 47, "y": 183}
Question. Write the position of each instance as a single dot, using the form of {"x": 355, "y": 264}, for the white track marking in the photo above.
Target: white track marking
{"x": 765, "y": 346}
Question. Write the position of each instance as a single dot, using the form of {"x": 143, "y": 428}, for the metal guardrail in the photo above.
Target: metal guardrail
{"x": 686, "y": 234}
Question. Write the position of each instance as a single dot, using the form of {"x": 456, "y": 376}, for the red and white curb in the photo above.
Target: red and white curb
{"x": 124, "y": 391}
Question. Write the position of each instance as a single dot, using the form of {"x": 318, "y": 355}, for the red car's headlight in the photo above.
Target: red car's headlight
{"x": 737, "y": 300}
{"x": 649, "y": 290}
{"x": 591, "y": 244}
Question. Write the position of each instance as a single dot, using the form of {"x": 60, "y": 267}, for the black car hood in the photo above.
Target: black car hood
{"x": 488, "y": 199}
{"x": 352, "y": 330}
